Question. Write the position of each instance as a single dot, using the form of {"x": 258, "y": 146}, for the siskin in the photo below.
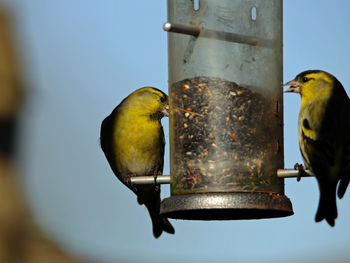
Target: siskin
{"x": 324, "y": 141}
{"x": 132, "y": 139}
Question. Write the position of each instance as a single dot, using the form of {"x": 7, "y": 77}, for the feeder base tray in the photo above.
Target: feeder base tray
{"x": 226, "y": 206}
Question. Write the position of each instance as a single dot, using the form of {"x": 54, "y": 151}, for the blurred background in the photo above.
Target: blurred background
{"x": 64, "y": 66}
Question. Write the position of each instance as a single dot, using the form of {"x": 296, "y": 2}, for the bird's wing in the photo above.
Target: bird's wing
{"x": 161, "y": 149}
{"x": 318, "y": 137}
{"x": 105, "y": 133}
{"x": 345, "y": 176}
{"x": 106, "y": 141}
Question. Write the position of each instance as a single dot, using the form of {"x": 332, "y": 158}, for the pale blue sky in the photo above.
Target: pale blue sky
{"x": 80, "y": 58}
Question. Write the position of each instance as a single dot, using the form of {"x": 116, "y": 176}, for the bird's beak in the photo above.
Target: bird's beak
{"x": 165, "y": 110}
{"x": 294, "y": 86}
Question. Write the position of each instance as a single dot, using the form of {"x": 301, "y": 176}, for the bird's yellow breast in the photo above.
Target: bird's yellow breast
{"x": 138, "y": 141}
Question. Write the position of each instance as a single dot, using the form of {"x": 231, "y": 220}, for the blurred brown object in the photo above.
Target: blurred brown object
{"x": 11, "y": 93}
{"x": 21, "y": 240}
{"x": 10, "y": 90}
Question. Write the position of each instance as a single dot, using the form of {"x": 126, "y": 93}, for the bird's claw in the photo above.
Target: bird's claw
{"x": 156, "y": 185}
{"x": 301, "y": 171}
{"x": 127, "y": 181}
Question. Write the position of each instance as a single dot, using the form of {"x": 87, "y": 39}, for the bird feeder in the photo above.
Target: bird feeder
{"x": 226, "y": 110}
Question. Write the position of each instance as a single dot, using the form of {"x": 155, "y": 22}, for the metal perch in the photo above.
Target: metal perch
{"x": 165, "y": 179}
{"x": 153, "y": 179}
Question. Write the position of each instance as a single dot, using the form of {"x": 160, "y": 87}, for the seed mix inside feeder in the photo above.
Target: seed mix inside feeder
{"x": 223, "y": 136}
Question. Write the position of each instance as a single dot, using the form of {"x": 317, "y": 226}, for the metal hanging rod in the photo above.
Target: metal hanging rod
{"x": 197, "y": 31}
{"x": 165, "y": 179}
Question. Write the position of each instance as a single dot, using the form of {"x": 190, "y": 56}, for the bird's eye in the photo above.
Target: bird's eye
{"x": 162, "y": 100}
{"x": 305, "y": 79}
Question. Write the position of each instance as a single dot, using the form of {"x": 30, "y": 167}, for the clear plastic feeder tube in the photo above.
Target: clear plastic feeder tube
{"x": 226, "y": 120}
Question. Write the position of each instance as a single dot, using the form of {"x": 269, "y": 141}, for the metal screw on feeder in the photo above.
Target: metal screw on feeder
{"x": 226, "y": 102}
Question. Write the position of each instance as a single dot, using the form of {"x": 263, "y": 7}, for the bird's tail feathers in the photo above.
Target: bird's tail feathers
{"x": 159, "y": 222}
{"x": 344, "y": 182}
{"x": 327, "y": 208}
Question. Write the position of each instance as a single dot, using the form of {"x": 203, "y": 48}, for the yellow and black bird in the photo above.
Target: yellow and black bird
{"x": 132, "y": 139}
{"x": 324, "y": 135}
